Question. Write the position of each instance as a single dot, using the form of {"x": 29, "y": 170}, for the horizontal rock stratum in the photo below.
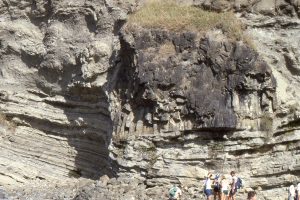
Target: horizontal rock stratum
{"x": 85, "y": 94}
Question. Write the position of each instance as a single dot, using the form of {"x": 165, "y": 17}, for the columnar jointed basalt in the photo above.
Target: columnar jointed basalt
{"x": 193, "y": 103}
{"x": 183, "y": 81}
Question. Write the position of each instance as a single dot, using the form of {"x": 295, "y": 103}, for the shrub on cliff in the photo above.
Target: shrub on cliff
{"x": 169, "y": 15}
{"x": 6, "y": 124}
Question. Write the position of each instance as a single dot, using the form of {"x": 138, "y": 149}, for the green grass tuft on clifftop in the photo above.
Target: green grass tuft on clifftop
{"x": 169, "y": 15}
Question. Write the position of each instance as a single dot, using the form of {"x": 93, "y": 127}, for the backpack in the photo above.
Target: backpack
{"x": 239, "y": 183}
{"x": 172, "y": 192}
{"x": 217, "y": 185}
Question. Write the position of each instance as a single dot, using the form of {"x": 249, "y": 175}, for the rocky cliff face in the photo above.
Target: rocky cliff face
{"x": 54, "y": 61}
{"x": 85, "y": 96}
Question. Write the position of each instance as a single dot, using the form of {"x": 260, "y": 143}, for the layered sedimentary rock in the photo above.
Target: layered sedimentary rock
{"x": 201, "y": 103}
{"x": 266, "y": 7}
{"x": 84, "y": 96}
{"x": 54, "y": 61}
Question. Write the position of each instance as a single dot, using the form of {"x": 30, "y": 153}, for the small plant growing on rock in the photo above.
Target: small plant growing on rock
{"x": 76, "y": 173}
{"x": 167, "y": 49}
{"x": 6, "y": 123}
{"x": 266, "y": 122}
{"x": 294, "y": 108}
{"x": 120, "y": 137}
{"x": 152, "y": 159}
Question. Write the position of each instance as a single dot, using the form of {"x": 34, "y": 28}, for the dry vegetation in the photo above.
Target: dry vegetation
{"x": 4, "y": 122}
{"x": 167, "y": 49}
{"x": 169, "y": 15}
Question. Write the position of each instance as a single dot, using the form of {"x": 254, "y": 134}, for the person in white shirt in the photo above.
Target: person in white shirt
{"x": 207, "y": 187}
{"x": 292, "y": 193}
{"x": 298, "y": 192}
{"x": 233, "y": 186}
{"x": 224, "y": 188}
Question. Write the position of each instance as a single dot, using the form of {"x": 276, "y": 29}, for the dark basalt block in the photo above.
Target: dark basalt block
{"x": 205, "y": 71}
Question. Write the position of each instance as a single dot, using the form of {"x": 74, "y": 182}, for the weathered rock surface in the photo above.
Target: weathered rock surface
{"x": 264, "y": 7}
{"x": 187, "y": 82}
{"x": 55, "y": 56}
{"x": 213, "y": 106}
{"x": 149, "y": 107}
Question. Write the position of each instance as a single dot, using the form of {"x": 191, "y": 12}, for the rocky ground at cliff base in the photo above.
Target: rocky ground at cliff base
{"x": 84, "y": 98}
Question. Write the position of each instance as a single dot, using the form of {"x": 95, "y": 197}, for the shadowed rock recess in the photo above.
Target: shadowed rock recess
{"x": 83, "y": 95}
{"x": 54, "y": 63}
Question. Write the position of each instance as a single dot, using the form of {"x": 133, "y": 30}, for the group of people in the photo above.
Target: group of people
{"x": 294, "y": 192}
{"x": 221, "y": 187}
{"x": 218, "y": 187}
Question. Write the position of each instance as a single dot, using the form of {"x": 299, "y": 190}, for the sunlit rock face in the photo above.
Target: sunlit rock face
{"x": 81, "y": 96}
{"x": 55, "y": 57}
{"x": 193, "y": 103}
